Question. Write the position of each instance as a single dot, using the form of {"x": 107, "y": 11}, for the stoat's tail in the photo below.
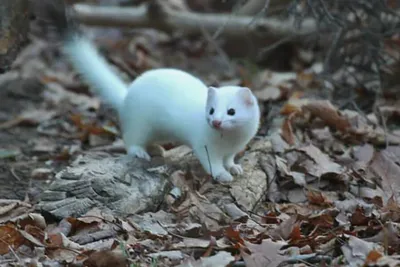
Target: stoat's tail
{"x": 95, "y": 70}
{"x": 83, "y": 54}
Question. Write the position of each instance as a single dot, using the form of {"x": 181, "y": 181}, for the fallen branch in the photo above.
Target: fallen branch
{"x": 168, "y": 20}
{"x": 253, "y": 7}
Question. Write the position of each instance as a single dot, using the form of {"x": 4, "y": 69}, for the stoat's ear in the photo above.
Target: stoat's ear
{"x": 246, "y": 96}
{"x": 212, "y": 91}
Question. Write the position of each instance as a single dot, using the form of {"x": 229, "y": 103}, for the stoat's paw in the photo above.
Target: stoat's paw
{"x": 138, "y": 152}
{"x": 224, "y": 177}
{"x": 235, "y": 169}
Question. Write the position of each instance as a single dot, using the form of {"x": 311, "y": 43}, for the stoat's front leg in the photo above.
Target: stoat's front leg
{"x": 213, "y": 163}
{"x": 229, "y": 163}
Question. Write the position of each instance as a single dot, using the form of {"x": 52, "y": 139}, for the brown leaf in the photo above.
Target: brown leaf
{"x": 29, "y": 117}
{"x": 385, "y": 167}
{"x": 298, "y": 178}
{"x": 14, "y": 211}
{"x": 270, "y": 217}
{"x": 323, "y": 164}
{"x": 388, "y": 235}
{"x": 195, "y": 204}
{"x": 294, "y": 105}
{"x": 38, "y": 233}
{"x": 220, "y": 259}
{"x": 356, "y": 250}
{"x": 287, "y": 130}
{"x": 88, "y": 128}
{"x": 31, "y": 238}
{"x": 32, "y": 219}
{"x": 265, "y": 254}
{"x": 323, "y": 220}
{"x": 318, "y": 198}
{"x": 10, "y": 238}
{"x": 358, "y": 217}
{"x": 328, "y": 113}
{"x": 80, "y": 223}
{"x": 61, "y": 248}
{"x": 285, "y": 229}
{"x": 305, "y": 78}
{"x": 373, "y": 257}
{"x": 296, "y": 232}
{"x": 106, "y": 259}
{"x": 233, "y": 235}
{"x": 96, "y": 215}
{"x": 54, "y": 240}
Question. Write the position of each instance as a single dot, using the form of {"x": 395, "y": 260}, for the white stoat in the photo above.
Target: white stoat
{"x": 170, "y": 105}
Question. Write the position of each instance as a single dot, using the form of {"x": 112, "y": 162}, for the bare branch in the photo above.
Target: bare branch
{"x": 168, "y": 20}
{"x": 253, "y": 7}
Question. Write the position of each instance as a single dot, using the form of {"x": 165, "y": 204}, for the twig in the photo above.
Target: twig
{"x": 10, "y": 248}
{"x": 219, "y": 31}
{"x": 252, "y": 7}
{"x": 383, "y": 119}
{"x": 14, "y": 174}
{"x": 263, "y": 10}
{"x": 333, "y": 50}
{"x": 209, "y": 162}
{"x": 169, "y": 20}
{"x": 218, "y": 49}
{"x": 271, "y": 47}
{"x": 308, "y": 258}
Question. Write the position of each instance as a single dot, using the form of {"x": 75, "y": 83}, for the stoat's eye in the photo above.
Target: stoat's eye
{"x": 231, "y": 112}
{"x": 211, "y": 111}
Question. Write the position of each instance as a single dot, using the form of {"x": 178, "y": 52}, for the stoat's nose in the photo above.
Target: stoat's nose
{"x": 216, "y": 124}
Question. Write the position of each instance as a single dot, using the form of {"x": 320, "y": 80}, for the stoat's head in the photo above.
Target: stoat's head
{"x": 231, "y": 107}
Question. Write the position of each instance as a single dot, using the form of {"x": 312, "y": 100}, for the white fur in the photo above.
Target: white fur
{"x": 95, "y": 70}
{"x": 170, "y": 105}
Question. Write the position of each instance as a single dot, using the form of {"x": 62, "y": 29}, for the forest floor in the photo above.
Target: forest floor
{"x": 333, "y": 190}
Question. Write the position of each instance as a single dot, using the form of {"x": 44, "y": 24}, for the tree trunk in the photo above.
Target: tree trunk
{"x": 14, "y": 26}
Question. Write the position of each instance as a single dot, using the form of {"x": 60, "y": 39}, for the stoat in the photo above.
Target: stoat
{"x": 166, "y": 105}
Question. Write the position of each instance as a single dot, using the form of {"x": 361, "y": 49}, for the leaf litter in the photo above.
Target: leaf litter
{"x": 329, "y": 177}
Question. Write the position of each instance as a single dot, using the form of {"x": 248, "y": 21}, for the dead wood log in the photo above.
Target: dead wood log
{"x": 168, "y": 20}
{"x": 124, "y": 186}
{"x": 120, "y": 185}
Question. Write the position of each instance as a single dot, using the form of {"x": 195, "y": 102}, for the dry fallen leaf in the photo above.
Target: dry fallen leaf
{"x": 287, "y": 130}
{"x": 195, "y": 204}
{"x": 221, "y": 259}
{"x": 356, "y": 251}
{"x": 30, "y": 117}
{"x": 387, "y": 170}
{"x": 265, "y": 254}
{"x": 322, "y": 164}
{"x": 14, "y": 211}
{"x": 10, "y": 237}
{"x": 328, "y": 113}
{"x": 318, "y": 198}
{"x": 106, "y": 259}
{"x": 285, "y": 229}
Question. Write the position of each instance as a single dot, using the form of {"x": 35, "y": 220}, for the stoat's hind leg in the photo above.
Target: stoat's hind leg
{"x": 139, "y": 152}
{"x": 155, "y": 150}
{"x": 136, "y": 139}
